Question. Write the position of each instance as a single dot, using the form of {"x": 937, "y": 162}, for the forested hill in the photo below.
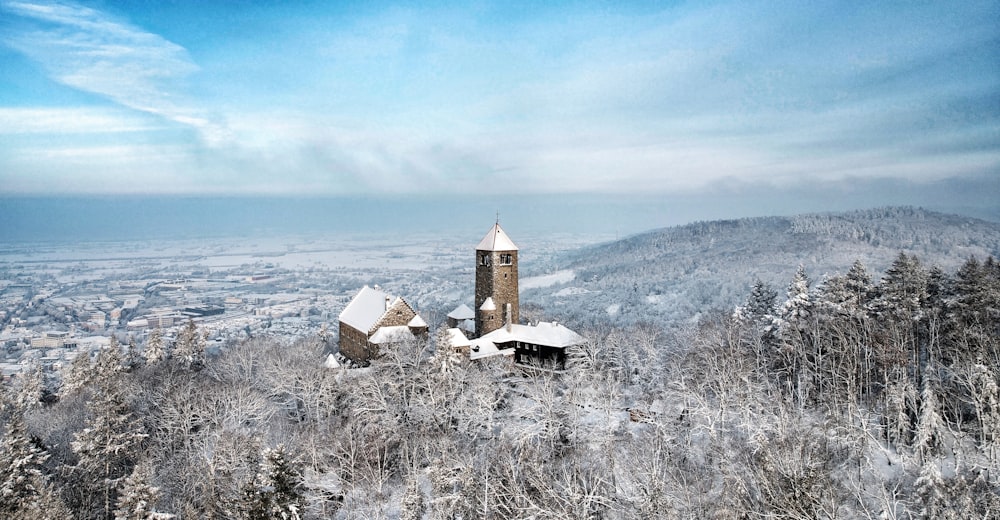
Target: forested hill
{"x": 676, "y": 273}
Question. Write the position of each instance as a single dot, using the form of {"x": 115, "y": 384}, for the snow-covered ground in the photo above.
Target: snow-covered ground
{"x": 548, "y": 280}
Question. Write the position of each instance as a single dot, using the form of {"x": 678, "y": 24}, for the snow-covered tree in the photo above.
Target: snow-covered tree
{"x": 793, "y": 328}
{"x": 900, "y": 399}
{"x": 276, "y": 491}
{"x": 22, "y": 480}
{"x": 108, "y": 446}
{"x": 930, "y": 425}
{"x": 931, "y": 490}
{"x": 903, "y": 288}
{"x": 759, "y": 306}
{"x": 78, "y": 374}
{"x": 155, "y": 351}
{"x": 190, "y": 346}
{"x": 412, "y": 506}
{"x": 137, "y": 497}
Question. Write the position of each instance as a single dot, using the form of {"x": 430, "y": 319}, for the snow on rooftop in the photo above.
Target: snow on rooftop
{"x": 488, "y": 305}
{"x": 391, "y": 334}
{"x": 456, "y": 339}
{"x": 331, "y": 362}
{"x": 365, "y": 309}
{"x": 484, "y": 348}
{"x": 462, "y": 312}
{"x": 496, "y": 240}
{"x": 417, "y": 322}
{"x": 550, "y": 334}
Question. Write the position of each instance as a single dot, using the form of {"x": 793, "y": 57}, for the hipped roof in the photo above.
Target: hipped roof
{"x": 496, "y": 240}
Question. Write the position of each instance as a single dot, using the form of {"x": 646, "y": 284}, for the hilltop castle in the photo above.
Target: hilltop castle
{"x": 498, "y": 329}
{"x": 374, "y": 319}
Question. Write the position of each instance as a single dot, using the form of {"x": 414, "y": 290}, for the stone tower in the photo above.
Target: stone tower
{"x": 496, "y": 281}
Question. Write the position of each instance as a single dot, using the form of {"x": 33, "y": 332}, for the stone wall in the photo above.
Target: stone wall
{"x": 497, "y": 280}
{"x": 354, "y": 344}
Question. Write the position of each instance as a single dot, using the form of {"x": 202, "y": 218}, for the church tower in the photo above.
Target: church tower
{"x": 496, "y": 281}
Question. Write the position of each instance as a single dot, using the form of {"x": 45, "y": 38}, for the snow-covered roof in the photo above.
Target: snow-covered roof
{"x": 550, "y": 334}
{"x": 366, "y": 308}
{"x": 331, "y": 362}
{"x": 417, "y": 322}
{"x": 496, "y": 240}
{"x": 462, "y": 312}
{"x": 484, "y": 348}
{"x": 456, "y": 339}
{"x": 488, "y": 305}
{"x": 391, "y": 334}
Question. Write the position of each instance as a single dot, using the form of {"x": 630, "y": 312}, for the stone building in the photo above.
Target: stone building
{"x": 374, "y": 320}
{"x": 498, "y": 328}
{"x": 496, "y": 281}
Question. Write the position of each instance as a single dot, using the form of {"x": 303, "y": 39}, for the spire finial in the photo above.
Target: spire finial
{"x": 498, "y": 217}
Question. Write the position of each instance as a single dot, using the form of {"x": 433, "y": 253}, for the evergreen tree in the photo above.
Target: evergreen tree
{"x": 132, "y": 359}
{"x": 79, "y": 374}
{"x": 108, "y": 446}
{"x": 276, "y": 491}
{"x": 932, "y": 492}
{"x": 930, "y": 425}
{"x": 858, "y": 284}
{"x": 22, "y": 480}
{"x": 760, "y": 305}
{"x": 137, "y": 497}
{"x": 903, "y": 288}
{"x": 190, "y": 347}
{"x": 793, "y": 327}
{"x": 155, "y": 351}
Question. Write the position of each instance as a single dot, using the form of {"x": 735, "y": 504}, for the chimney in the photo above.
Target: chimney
{"x": 508, "y": 317}
{"x": 388, "y": 301}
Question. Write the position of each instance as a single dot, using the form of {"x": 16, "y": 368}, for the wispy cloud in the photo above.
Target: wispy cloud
{"x": 75, "y": 120}
{"x": 92, "y": 51}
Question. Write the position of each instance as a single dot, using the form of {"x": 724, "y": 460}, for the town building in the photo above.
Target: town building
{"x": 374, "y": 320}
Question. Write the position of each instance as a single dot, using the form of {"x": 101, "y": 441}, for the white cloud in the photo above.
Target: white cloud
{"x": 93, "y": 52}
{"x": 73, "y": 120}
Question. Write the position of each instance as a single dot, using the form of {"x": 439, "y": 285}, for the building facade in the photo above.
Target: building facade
{"x": 497, "y": 297}
{"x": 375, "y": 319}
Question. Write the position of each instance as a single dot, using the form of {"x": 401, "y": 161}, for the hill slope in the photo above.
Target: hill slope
{"x": 675, "y": 273}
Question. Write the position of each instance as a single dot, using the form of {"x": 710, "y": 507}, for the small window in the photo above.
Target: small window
{"x": 506, "y": 259}
{"x": 484, "y": 260}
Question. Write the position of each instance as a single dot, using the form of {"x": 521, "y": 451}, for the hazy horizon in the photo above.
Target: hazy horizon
{"x": 110, "y": 217}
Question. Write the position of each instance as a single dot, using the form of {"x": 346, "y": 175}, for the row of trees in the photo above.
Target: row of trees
{"x": 848, "y": 399}
{"x": 919, "y": 336}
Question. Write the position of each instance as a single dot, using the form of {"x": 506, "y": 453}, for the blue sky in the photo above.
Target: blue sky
{"x": 344, "y": 98}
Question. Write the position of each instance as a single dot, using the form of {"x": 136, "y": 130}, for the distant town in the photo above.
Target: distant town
{"x": 57, "y": 300}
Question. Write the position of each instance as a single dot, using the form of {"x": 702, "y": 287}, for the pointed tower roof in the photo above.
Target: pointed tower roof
{"x": 496, "y": 240}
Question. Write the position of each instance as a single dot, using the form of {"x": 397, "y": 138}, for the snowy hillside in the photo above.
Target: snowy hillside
{"x": 676, "y": 273}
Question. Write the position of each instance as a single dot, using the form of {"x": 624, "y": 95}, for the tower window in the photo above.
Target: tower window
{"x": 506, "y": 259}
{"x": 484, "y": 260}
